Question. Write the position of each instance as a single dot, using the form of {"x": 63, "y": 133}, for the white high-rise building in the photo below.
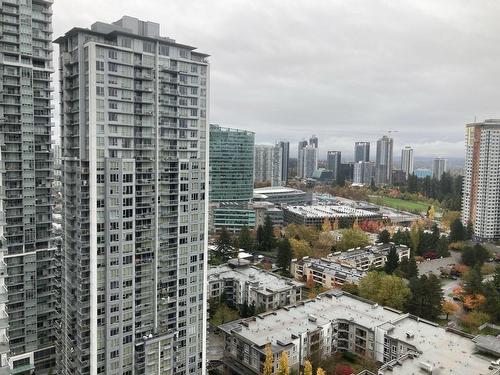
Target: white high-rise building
{"x": 134, "y": 141}
{"x": 481, "y": 191}
{"x": 407, "y": 161}
{"x": 363, "y": 172}
{"x": 268, "y": 164}
{"x": 383, "y": 166}
{"x": 439, "y": 166}
{"x": 310, "y": 161}
{"x": 26, "y": 241}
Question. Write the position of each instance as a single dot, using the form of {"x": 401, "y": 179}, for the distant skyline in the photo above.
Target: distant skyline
{"x": 345, "y": 71}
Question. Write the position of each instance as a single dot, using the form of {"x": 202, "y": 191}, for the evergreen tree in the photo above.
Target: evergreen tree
{"x": 373, "y": 187}
{"x": 469, "y": 232}
{"x": 223, "y": 244}
{"x": 392, "y": 261}
{"x": 436, "y": 235}
{"x": 245, "y": 239}
{"x": 412, "y": 268}
{"x": 426, "y": 297}
{"x": 268, "y": 239}
{"x": 284, "y": 257}
{"x": 259, "y": 237}
{"x": 474, "y": 284}
{"x": 457, "y": 231}
{"x": 472, "y": 256}
{"x": 402, "y": 270}
{"x": 384, "y": 236}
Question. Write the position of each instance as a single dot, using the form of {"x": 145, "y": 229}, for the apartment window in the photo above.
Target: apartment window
{"x": 112, "y": 54}
{"x": 112, "y": 116}
{"x": 148, "y": 47}
{"x": 112, "y": 67}
{"x": 164, "y": 50}
{"x": 99, "y": 91}
{"x": 99, "y": 65}
{"x": 112, "y": 91}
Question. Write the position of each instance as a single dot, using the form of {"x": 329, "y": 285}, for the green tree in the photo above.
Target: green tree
{"x": 388, "y": 290}
{"x": 284, "y": 256}
{"x": 350, "y": 288}
{"x": 457, "y": 231}
{"x": 476, "y": 255}
{"x": 259, "y": 237}
{"x": 384, "y": 236}
{"x": 412, "y": 268}
{"x": 392, "y": 261}
{"x": 469, "y": 231}
{"x": 245, "y": 239}
{"x": 474, "y": 280}
{"x": 426, "y": 297}
{"x": 223, "y": 244}
{"x": 401, "y": 238}
{"x": 373, "y": 187}
{"x": 268, "y": 239}
{"x": 352, "y": 238}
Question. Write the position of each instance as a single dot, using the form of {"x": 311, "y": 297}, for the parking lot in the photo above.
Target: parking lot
{"x": 434, "y": 265}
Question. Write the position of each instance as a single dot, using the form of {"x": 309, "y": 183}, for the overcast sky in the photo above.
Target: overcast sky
{"x": 345, "y": 70}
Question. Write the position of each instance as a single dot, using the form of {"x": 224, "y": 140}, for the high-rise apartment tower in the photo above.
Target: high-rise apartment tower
{"x": 361, "y": 151}
{"x": 439, "y": 166}
{"x": 383, "y": 164}
{"x": 407, "y": 161}
{"x": 134, "y": 140}
{"x": 25, "y": 133}
{"x": 481, "y": 191}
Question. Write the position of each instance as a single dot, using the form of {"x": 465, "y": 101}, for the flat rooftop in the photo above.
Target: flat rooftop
{"x": 447, "y": 352}
{"x": 268, "y": 281}
{"x": 277, "y": 190}
{"x": 333, "y": 269}
{"x": 321, "y": 211}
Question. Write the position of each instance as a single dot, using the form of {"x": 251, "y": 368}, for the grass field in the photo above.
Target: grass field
{"x": 400, "y": 204}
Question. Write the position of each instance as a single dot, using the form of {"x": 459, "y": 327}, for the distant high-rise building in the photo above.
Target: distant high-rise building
{"x": 439, "y": 166}
{"x": 407, "y": 160}
{"x": 363, "y": 172}
{"x": 313, "y": 141}
{"x": 481, "y": 190}
{"x": 300, "y": 158}
{"x": 383, "y": 166}
{"x": 231, "y": 164}
{"x": 333, "y": 161}
{"x": 268, "y": 164}
{"x": 346, "y": 173}
{"x": 361, "y": 151}
{"x": 263, "y": 163}
{"x": 285, "y": 155}
{"x": 30, "y": 276}
{"x": 310, "y": 161}
{"x": 134, "y": 141}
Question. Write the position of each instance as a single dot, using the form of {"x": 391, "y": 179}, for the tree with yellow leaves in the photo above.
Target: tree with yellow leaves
{"x": 431, "y": 213}
{"x": 335, "y": 224}
{"x": 269, "y": 361}
{"x": 449, "y": 308}
{"x": 326, "y": 226}
{"x": 320, "y": 371}
{"x": 308, "y": 369}
{"x": 283, "y": 368}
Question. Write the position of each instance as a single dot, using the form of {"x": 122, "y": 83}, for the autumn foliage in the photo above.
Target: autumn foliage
{"x": 343, "y": 369}
{"x": 473, "y": 301}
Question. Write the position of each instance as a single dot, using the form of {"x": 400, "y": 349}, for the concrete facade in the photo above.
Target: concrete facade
{"x": 134, "y": 141}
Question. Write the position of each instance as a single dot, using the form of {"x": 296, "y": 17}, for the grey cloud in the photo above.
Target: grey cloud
{"x": 344, "y": 70}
